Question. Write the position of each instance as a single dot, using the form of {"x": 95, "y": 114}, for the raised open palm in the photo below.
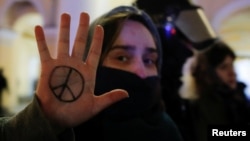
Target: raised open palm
{"x": 66, "y": 85}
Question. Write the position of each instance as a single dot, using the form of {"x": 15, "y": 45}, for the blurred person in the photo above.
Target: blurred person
{"x": 73, "y": 89}
{"x": 3, "y": 86}
{"x": 182, "y": 26}
{"x": 211, "y": 88}
{"x": 174, "y": 48}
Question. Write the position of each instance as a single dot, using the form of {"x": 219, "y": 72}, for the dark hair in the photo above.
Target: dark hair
{"x": 206, "y": 62}
{"x": 112, "y": 23}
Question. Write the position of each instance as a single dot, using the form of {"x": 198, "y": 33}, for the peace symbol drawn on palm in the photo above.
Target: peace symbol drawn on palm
{"x": 66, "y": 83}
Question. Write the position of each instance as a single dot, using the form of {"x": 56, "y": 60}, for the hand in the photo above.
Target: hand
{"x": 66, "y": 85}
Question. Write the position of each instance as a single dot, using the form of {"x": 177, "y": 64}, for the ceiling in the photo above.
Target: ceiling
{"x": 236, "y": 31}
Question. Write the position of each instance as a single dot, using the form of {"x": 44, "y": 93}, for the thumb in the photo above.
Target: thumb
{"x": 109, "y": 98}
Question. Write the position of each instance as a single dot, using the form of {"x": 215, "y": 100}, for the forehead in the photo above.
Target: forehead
{"x": 227, "y": 60}
{"x": 135, "y": 33}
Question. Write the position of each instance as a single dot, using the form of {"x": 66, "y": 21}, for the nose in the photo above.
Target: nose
{"x": 139, "y": 69}
{"x": 232, "y": 72}
{"x": 232, "y": 75}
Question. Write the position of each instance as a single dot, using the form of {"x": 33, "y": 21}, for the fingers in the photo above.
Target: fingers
{"x": 81, "y": 36}
{"x": 41, "y": 44}
{"x": 105, "y": 100}
{"x": 95, "y": 49}
{"x": 63, "y": 45}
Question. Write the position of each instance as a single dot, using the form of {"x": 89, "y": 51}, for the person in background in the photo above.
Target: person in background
{"x": 3, "y": 86}
{"x": 74, "y": 89}
{"x": 180, "y": 33}
{"x": 211, "y": 87}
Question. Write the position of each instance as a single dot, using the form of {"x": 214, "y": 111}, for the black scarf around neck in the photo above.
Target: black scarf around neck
{"x": 139, "y": 117}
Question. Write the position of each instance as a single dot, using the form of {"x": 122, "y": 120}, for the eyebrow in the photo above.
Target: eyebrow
{"x": 128, "y": 47}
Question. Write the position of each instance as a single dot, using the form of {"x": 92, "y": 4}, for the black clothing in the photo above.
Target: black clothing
{"x": 224, "y": 107}
{"x": 3, "y": 83}
{"x": 139, "y": 117}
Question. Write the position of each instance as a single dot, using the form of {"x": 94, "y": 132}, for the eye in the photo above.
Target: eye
{"x": 150, "y": 58}
{"x": 150, "y": 62}
{"x": 122, "y": 58}
{"x": 223, "y": 66}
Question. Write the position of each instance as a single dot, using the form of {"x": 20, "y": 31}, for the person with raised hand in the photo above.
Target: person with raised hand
{"x": 66, "y": 85}
{"x": 65, "y": 93}
{"x": 131, "y": 60}
{"x": 117, "y": 58}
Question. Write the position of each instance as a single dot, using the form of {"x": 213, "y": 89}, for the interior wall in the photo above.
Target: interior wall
{"x": 17, "y": 46}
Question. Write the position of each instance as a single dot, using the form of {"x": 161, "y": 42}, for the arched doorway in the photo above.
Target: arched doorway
{"x": 19, "y": 56}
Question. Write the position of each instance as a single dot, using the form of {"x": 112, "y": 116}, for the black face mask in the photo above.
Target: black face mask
{"x": 144, "y": 94}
